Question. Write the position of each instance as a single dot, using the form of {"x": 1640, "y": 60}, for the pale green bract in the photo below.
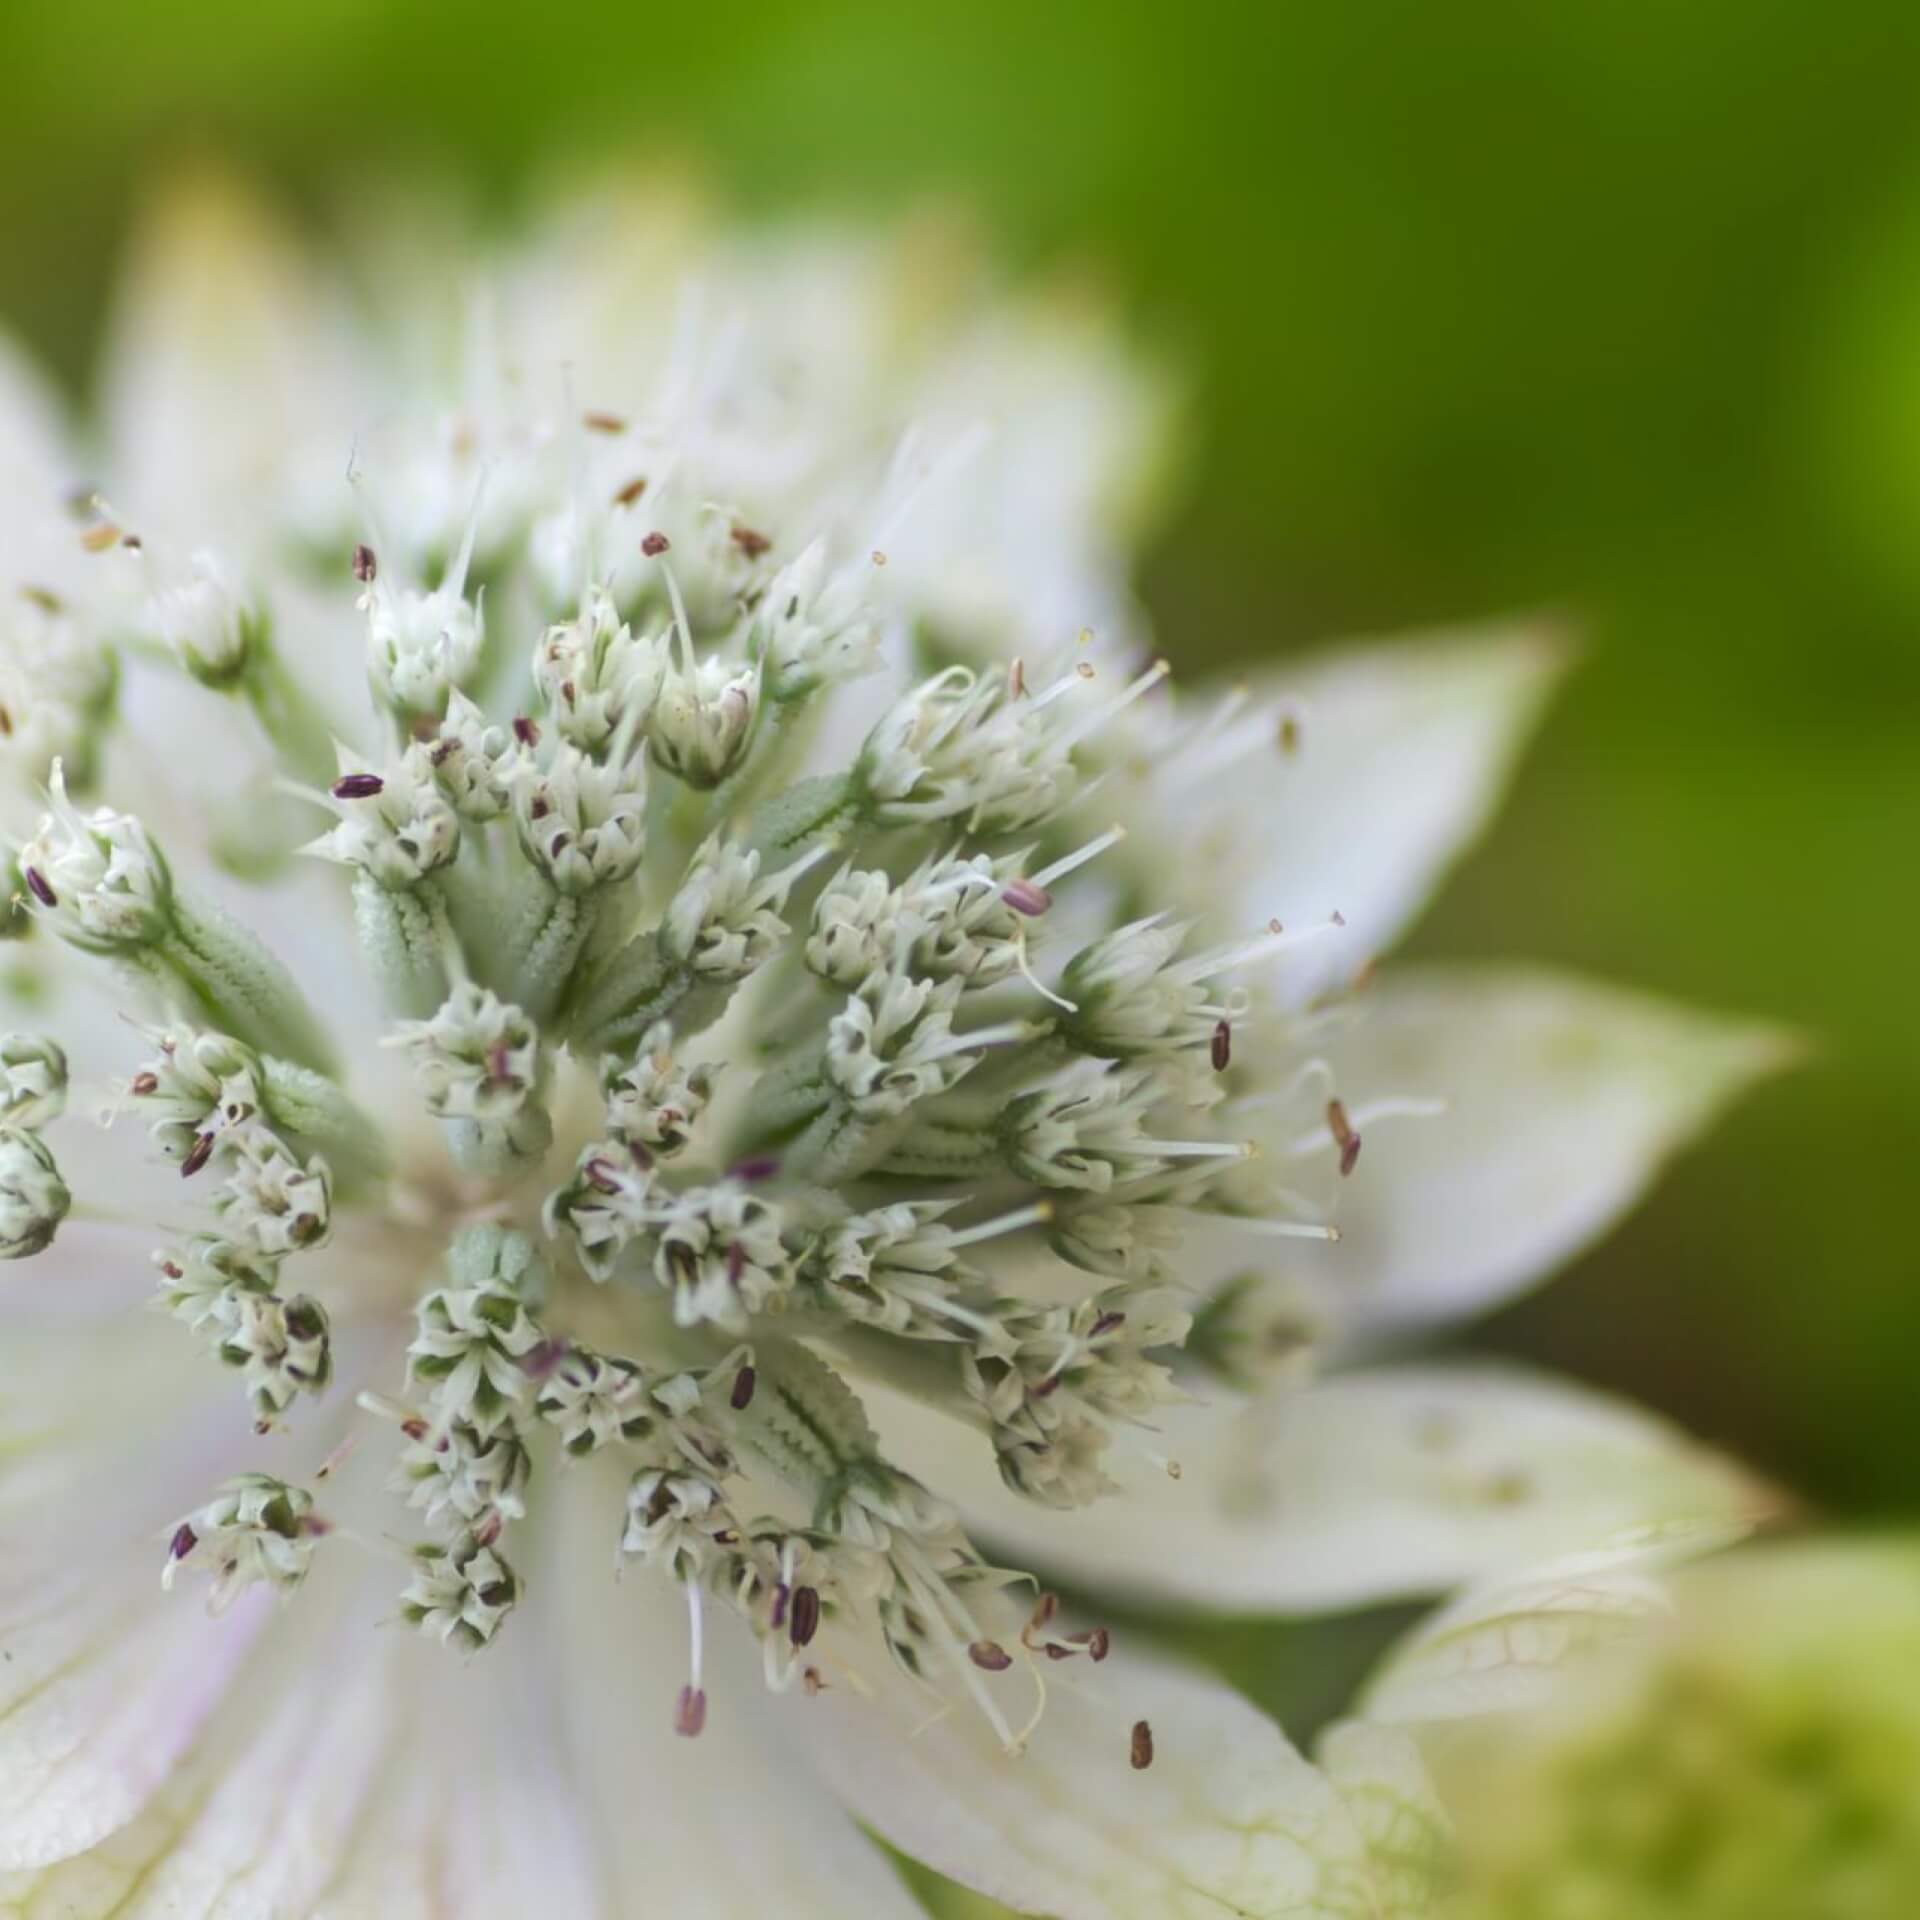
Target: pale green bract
{"x": 780, "y": 1048}
{"x": 1735, "y": 1741}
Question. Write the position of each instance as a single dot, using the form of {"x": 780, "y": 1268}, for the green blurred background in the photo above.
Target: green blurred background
{"x": 1604, "y": 305}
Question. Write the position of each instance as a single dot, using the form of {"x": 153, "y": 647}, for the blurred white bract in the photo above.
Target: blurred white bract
{"x": 803, "y": 1047}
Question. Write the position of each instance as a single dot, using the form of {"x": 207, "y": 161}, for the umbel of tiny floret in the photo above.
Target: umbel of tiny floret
{"x": 749, "y": 1079}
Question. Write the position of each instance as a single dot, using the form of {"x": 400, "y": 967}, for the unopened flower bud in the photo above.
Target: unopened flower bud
{"x": 33, "y": 1197}
{"x": 33, "y": 1080}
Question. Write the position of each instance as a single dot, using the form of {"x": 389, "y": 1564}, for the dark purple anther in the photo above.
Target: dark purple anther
{"x": 691, "y": 1714}
{"x": 736, "y": 1262}
{"x": 806, "y": 1615}
{"x": 1024, "y": 897}
{"x": 654, "y": 545}
{"x": 183, "y": 1542}
{"x": 1222, "y": 1047}
{"x": 599, "y": 1173}
{"x": 365, "y": 565}
{"x": 1345, "y": 1136}
{"x": 750, "y": 1172}
{"x": 782, "y": 1594}
{"x": 525, "y": 731}
{"x": 990, "y": 1656}
{"x": 742, "y": 1396}
{"x": 41, "y": 891}
{"x": 197, "y": 1155}
{"x": 358, "y": 786}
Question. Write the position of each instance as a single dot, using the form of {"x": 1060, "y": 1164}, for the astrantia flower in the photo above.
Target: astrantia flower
{"x": 723, "y": 1104}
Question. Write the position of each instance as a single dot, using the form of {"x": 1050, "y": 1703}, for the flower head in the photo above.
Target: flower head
{"x": 834, "y": 1119}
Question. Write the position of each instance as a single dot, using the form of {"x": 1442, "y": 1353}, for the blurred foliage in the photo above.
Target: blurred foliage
{"x": 1609, "y": 305}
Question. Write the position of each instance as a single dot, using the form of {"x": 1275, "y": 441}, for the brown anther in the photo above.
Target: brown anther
{"x": 596, "y": 422}
{"x": 6, "y": 723}
{"x": 690, "y": 1716}
{"x": 736, "y": 1262}
{"x": 1336, "y": 918}
{"x": 525, "y": 731}
{"x": 752, "y": 544}
{"x": 197, "y": 1155}
{"x": 1106, "y": 1323}
{"x": 569, "y": 692}
{"x": 414, "y": 1427}
{"x": 1055, "y": 1651}
{"x": 443, "y": 751}
{"x": 366, "y": 564}
{"x": 990, "y": 1655}
{"x": 172, "y": 1269}
{"x": 538, "y": 807}
{"x": 742, "y": 1395}
{"x": 1084, "y": 668}
{"x": 144, "y": 1084}
{"x": 358, "y": 786}
{"x": 1274, "y": 926}
{"x": 1222, "y": 1048}
{"x": 879, "y": 558}
{"x": 1140, "y": 1747}
{"x": 1344, "y": 1136}
{"x": 1016, "y": 678}
{"x": 655, "y": 544}
{"x": 810, "y": 1679}
{"x": 183, "y": 1542}
{"x": 37, "y": 884}
{"x": 631, "y": 492}
{"x": 1099, "y": 1644}
{"x": 805, "y": 1620}
{"x": 488, "y": 1530}
{"x": 1024, "y": 897}
{"x": 132, "y": 542}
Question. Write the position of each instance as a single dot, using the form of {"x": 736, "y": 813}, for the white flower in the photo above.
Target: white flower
{"x": 204, "y": 621}
{"x": 900, "y": 1188}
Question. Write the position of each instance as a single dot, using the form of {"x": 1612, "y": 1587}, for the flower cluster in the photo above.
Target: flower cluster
{"x": 826, "y": 1059}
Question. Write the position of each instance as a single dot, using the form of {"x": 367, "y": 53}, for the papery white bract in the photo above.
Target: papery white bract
{"x": 736, "y": 1102}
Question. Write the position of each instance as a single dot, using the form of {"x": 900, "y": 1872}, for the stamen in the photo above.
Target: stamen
{"x": 691, "y": 1714}
{"x": 366, "y": 566}
{"x": 1033, "y": 1216}
{"x": 1276, "y": 939}
{"x": 1047, "y": 876}
{"x": 1222, "y": 1049}
{"x": 1142, "y": 684}
{"x": 1140, "y": 1747}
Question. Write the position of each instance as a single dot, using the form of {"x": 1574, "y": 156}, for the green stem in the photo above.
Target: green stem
{"x": 240, "y": 985}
